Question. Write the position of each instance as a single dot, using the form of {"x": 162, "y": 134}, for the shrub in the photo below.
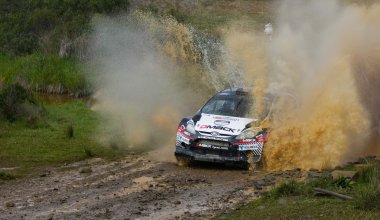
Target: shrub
{"x": 343, "y": 183}
{"x": 16, "y": 101}
{"x": 40, "y": 25}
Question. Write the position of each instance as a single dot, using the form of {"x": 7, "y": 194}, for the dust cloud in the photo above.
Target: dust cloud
{"x": 322, "y": 65}
{"x": 150, "y": 71}
{"x": 140, "y": 93}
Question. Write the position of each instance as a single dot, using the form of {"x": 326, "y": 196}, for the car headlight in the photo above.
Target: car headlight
{"x": 249, "y": 133}
{"x": 190, "y": 128}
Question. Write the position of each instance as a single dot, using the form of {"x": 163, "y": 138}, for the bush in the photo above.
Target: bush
{"x": 16, "y": 101}
{"x": 343, "y": 183}
{"x": 40, "y": 25}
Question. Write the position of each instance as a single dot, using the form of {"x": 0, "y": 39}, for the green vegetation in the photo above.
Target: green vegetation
{"x": 52, "y": 26}
{"x": 296, "y": 200}
{"x": 15, "y": 101}
{"x": 6, "y": 175}
{"x": 368, "y": 195}
{"x": 28, "y": 145}
{"x": 211, "y": 16}
{"x": 45, "y": 73}
{"x": 302, "y": 208}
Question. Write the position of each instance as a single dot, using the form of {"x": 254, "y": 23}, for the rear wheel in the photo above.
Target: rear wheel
{"x": 183, "y": 161}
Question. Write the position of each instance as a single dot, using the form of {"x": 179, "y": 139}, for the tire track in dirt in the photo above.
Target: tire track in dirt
{"x": 134, "y": 188}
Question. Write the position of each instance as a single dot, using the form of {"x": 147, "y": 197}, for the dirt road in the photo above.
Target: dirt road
{"x": 134, "y": 188}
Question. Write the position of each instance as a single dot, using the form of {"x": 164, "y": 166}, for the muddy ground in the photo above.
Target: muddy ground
{"x": 134, "y": 188}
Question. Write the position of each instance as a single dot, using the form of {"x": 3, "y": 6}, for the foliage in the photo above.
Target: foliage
{"x": 301, "y": 202}
{"x": 16, "y": 101}
{"x": 291, "y": 188}
{"x": 29, "y": 147}
{"x": 28, "y": 26}
{"x": 343, "y": 183}
{"x": 45, "y": 73}
{"x": 368, "y": 196}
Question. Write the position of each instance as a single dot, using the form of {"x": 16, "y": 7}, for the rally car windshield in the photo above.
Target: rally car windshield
{"x": 236, "y": 106}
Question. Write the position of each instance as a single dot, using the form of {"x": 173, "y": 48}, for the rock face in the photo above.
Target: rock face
{"x": 344, "y": 173}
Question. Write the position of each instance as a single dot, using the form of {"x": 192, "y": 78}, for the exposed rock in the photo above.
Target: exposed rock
{"x": 344, "y": 173}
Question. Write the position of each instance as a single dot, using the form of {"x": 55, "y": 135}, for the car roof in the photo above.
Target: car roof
{"x": 235, "y": 91}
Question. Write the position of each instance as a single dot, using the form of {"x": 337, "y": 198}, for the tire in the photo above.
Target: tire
{"x": 182, "y": 161}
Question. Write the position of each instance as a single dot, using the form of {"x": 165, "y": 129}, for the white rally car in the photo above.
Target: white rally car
{"x": 222, "y": 132}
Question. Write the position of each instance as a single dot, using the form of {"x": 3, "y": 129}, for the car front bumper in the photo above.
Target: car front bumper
{"x": 202, "y": 155}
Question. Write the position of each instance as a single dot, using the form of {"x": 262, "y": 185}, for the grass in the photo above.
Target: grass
{"x": 302, "y": 207}
{"x": 6, "y": 175}
{"x": 47, "y": 73}
{"x": 211, "y": 16}
{"x": 368, "y": 195}
{"x": 47, "y": 143}
{"x": 295, "y": 200}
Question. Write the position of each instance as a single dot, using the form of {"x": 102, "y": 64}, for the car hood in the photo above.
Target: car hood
{"x": 226, "y": 125}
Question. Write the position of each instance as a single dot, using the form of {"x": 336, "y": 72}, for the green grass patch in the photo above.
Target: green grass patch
{"x": 296, "y": 200}
{"x": 6, "y": 176}
{"x": 46, "y": 73}
{"x": 368, "y": 192}
{"x": 302, "y": 207}
{"x": 47, "y": 142}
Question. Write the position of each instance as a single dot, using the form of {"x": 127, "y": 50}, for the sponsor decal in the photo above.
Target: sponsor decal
{"x": 213, "y": 138}
{"x": 226, "y": 118}
{"x": 212, "y": 146}
{"x": 182, "y": 139}
{"x": 217, "y": 127}
{"x": 257, "y": 138}
{"x": 255, "y": 147}
{"x": 221, "y": 122}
